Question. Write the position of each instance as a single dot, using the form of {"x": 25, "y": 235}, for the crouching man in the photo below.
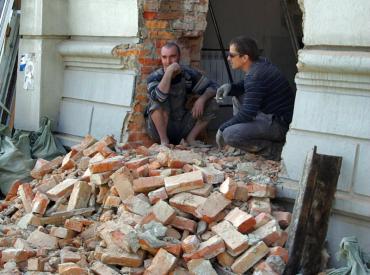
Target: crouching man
{"x": 169, "y": 118}
{"x": 262, "y": 103}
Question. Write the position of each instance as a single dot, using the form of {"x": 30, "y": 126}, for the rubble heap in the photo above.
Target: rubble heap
{"x": 144, "y": 211}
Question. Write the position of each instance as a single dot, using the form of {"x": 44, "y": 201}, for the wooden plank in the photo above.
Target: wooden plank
{"x": 311, "y": 213}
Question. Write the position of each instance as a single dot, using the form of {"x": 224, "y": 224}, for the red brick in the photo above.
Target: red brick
{"x": 190, "y": 244}
{"x": 280, "y": 251}
{"x": 40, "y": 203}
{"x": 200, "y": 267}
{"x": 228, "y": 188}
{"x": 243, "y": 221}
{"x": 13, "y": 190}
{"x": 71, "y": 269}
{"x": 184, "y": 224}
{"x": 261, "y": 190}
{"x": 25, "y": 192}
{"x": 41, "y": 168}
{"x": 235, "y": 242}
{"x": 62, "y": 189}
{"x": 16, "y": 255}
{"x": 100, "y": 178}
{"x": 210, "y": 174}
{"x": 122, "y": 180}
{"x": 174, "y": 248}
{"x": 149, "y": 15}
{"x": 147, "y": 184}
{"x": 262, "y": 219}
{"x": 74, "y": 224}
{"x": 207, "y": 250}
{"x": 85, "y": 143}
{"x": 142, "y": 171}
{"x": 162, "y": 263}
{"x": 136, "y": 163}
{"x": 68, "y": 162}
{"x": 123, "y": 258}
{"x": 241, "y": 192}
{"x": 225, "y": 259}
{"x": 183, "y": 182}
{"x": 61, "y": 232}
{"x": 187, "y": 202}
{"x": 112, "y": 201}
{"x": 205, "y": 191}
{"x": 156, "y": 195}
{"x": 35, "y": 264}
{"x": 163, "y": 212}
{"x": 259, "y": 205}
{"x": 212, "y": 207}
{"x": 249, "y": 258}
{"x": 264, "y": 268}
{"x": 283, "y": 218}
{"x": 269, "y": 233}
{"x": 110, "y": 164}
{"x": 80, "y": 196}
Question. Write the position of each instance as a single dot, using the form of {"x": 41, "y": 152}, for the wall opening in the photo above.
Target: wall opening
{"x": 265, "y": 21}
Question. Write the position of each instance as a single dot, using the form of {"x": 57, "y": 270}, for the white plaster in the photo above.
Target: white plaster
{"x": 112, "y": 18}
{"x": 108, "y": 120}
{"x": 332, "y": 113}
{"x": 362, "y": 180}
{"x": 111, "y": 87}
{"x": 337, "y": 22}
{"x": 75, "y": 118}
{"x": 299, "y": 143}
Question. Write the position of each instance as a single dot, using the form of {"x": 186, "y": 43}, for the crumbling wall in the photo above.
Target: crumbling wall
{"x": 160, "y": 21}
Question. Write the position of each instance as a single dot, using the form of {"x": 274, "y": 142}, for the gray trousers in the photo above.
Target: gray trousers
{"x": 264, "y": 135}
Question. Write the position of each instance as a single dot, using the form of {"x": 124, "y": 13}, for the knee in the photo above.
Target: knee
{"x": 229, "y": 136}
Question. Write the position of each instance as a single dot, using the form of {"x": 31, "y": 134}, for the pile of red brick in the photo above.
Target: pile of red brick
{"x": 145, "y": 211}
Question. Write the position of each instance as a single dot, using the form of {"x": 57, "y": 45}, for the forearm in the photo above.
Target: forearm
{"x": 208, "y": 94}
{"x": 165, "y": 84}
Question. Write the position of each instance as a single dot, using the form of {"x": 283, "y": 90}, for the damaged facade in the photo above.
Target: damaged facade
{"x": 92, "y": 57}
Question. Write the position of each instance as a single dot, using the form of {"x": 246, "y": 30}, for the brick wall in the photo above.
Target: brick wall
{"x": 183, "y": 21}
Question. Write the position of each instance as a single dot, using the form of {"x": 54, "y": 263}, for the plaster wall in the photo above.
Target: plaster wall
{"x": 332, "y": 109}
{"x": 76, "y": 69}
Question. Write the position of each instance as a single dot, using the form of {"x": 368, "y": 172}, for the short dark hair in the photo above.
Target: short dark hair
{"x": 171, "y": 44}
{"x": 246, "y": 46}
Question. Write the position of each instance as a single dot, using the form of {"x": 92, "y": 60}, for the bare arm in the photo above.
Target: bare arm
{"x": 165, "y": 84}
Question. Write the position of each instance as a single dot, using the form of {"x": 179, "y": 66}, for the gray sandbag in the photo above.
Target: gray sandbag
{"x": 355, "y": 257}
{"x": 44, "y": 145}
{"x": 14, "y": 165}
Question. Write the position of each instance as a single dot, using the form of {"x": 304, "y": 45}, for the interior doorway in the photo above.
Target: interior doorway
{"x": 265, "y": 21}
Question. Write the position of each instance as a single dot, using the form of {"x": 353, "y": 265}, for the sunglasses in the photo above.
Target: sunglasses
{"x": 232, "y": 55}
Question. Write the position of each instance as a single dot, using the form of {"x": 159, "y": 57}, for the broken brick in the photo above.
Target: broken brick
{"x": 183, "y": 182}
{"x": 25, "y": 192}
{"x": 243, "y": 221}
{"x": 228, "y": 188}
{"x": 163, "y": 212}
{"x": 80, "y": 196}
{"x": 62, "y": 189}
{"x": 184, "y": 224}
{"x": 200, "y": 267}
{"x": 162, "y": 263}
{"x": 283, "y": 218}
{"x": 235, "y": 242}
{"x": 249, "y": 258}
{"x": 212, "y": 207}
{"x": 40, "y": 203}
{"x": 190, "y": 244}
{"x": 147, "y": 184}
{"x": 261, "y": 190}
{"x": 207, "y": 250}
{"x": 136, "y": 163}
{"x": 187, "y": 202}
{"x": 109, "y": 164}
{"x": 156, "y": 195}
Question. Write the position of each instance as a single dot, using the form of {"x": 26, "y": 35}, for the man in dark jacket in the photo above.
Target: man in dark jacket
{"x": 263, "y": 103}
{"x": 168, "y": 118}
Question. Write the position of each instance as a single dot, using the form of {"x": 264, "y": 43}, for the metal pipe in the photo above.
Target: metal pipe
{"x": 220, "y": 41}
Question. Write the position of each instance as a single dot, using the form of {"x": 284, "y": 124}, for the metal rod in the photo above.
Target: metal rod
{"x": 220, "y": 41}
{"x": 291, "y": 31}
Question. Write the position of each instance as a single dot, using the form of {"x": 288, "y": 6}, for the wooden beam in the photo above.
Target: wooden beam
{"x": 311, "y": 213}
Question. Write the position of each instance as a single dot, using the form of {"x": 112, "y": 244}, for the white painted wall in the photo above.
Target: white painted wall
{"x": 79, "y": 84}
{"x": 332, "y": 108}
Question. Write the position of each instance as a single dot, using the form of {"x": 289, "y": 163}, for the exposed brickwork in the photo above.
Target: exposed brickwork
{"x": 183, "y": 21}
